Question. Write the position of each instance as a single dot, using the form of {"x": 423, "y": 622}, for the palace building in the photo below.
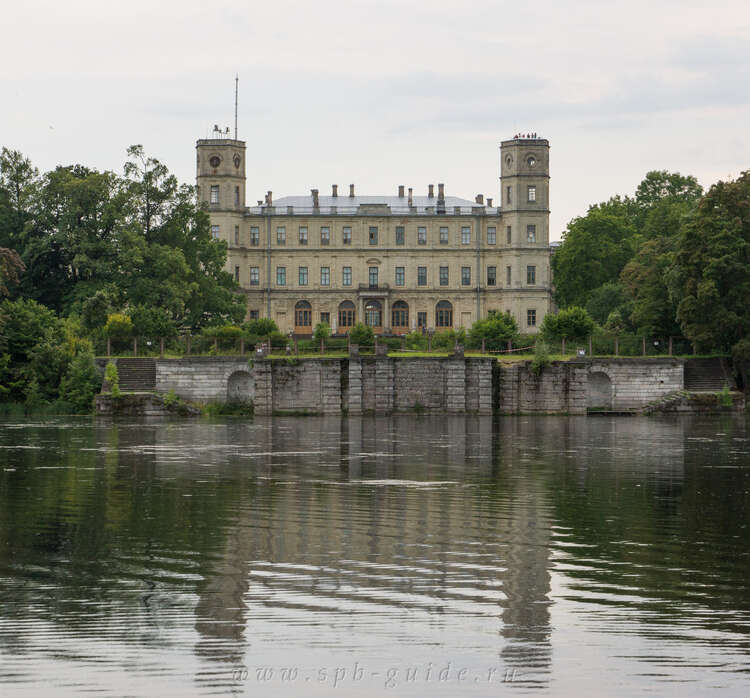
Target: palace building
{"x": 397, "y": 263}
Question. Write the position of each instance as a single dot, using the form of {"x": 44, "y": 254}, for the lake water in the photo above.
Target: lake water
{"x": 405, "y": 556}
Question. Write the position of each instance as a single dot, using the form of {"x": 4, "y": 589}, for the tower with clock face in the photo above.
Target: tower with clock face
{"x": 220, "y": 170}
{"x": 524, "y": 235}
{"x": 220, "y": 176}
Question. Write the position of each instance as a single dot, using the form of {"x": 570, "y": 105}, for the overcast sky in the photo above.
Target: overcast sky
{"x": 382, "y": 93}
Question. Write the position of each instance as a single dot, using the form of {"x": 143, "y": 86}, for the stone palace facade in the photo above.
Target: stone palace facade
{"x": 398, "y": 263}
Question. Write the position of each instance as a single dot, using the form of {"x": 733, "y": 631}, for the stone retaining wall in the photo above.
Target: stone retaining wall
{"x": 458, "y": 385}
{"x": 206, "y": 378}
{"x": 378, "y": 385}
{"x": 617, "y": 384}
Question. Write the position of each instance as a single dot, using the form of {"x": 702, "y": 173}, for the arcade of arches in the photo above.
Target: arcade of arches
{"x": 398, "y": 319}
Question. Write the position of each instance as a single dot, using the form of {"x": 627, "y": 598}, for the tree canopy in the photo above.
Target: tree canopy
{"x": 710, "y": 273}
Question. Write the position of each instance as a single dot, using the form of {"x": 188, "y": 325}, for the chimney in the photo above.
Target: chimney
{"x": 400, "y": 191}
{"x": 430, "y": 191}
{"x": 316, "y": 203}
{"x": 351, "y": 190}
{"x": 269, "y": 198}
{"x": 411, "y": 198}
{"x": 489, "y": 201}
{"x": 334, "y": 190}
{"x": 441, "y": 192}
{"x": 479, "y": 199}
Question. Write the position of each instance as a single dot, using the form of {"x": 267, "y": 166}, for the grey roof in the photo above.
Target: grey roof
{"x": 348, "y": 205}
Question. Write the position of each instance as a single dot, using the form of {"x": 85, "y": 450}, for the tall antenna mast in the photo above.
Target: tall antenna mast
{"x": 236, "y": 91}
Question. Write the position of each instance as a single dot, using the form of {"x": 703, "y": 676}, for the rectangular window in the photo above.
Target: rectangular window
{"x": 215, "y": 232}
{"x": 444, "y": 235}
{"x": 214, "y": 194}
{"x": 491, "y": 276}
{"x": 303, "y": 276}
{"x": 507, "y": 276}
{"x": 421, "y": 235}
{"x": 254, "y": 276}
{"x": 237, "y": 274}
{"x": 254, "y": 235}
{"x": 325, "y": 276}
{"x": 347, "y": 276}
{"x": 508, "y": 193}
{"x": 325, "y": 235}
{"x": 465, "y": 276}
{"x": 491, "y": 235}
{"x": 531, "y": 233}
{"x": 421, "y": 319}
{"x": 509, "y": 235}
{"x": 373, "y": 276}
{"x": 532, "y": 192}
{"x": 254, "y": 314}
{"x": 465, "y": 235}
{"x": 443, "y": 276}
{"x": 373, "y": 235}
{"x": 303, "y": 235}
{"x": 531, "y": 317}
{"x": 236, "y": 235}
{"x": 281, "y": 276}
{"x": 281, "y": 235}
{"x": 326, "y": 318}
{"x": 346, "y": 235}
{"x": 531, "y": 275}
{"x": 400, "y": 235}
{"x": 400, "y": 275}
{"x": 421, "y": 276}
{"x": 236, "y": 196}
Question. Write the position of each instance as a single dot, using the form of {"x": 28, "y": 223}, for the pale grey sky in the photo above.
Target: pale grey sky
{"x": 382, "y": 93}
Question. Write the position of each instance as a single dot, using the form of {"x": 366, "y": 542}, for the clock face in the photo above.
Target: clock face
{"x": 508, "y": 161}
{"x": 531, "y": 160}
{"x": 237, "y": 160}
{"x": 214, "y": 161}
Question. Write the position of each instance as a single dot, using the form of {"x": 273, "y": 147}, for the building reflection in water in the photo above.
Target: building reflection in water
{"x": 357, "y": 534}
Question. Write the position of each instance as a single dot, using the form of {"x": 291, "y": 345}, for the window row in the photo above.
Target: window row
{"x": 373, "y": 315}
{"x": 303, "y": 276}
{"x": 325, "y": 235}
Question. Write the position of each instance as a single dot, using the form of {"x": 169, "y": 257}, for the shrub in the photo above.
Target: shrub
{"x": 81, "y": 382}
{"x": 724, "y": 397}
{"x": 362, "y": 334}
{"x": 541, "y": 358}
{"x": 119, "y": 326}
{"x": 571, "y": 323}
{"x": 321, "y": 332}
{"x": 393, "y": 343}
{"x": 261, "y": 327}
{"x": 112, "y": 378}
{"x": 446, "y": 340}
{"x": 416, "y": 341}
{"x": 170, "y": 398}
{"x": 497, "y": 329}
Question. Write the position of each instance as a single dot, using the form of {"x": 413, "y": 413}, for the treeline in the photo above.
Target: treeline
{"x": 79, "y": 247}
{"x": 669, "y": 261}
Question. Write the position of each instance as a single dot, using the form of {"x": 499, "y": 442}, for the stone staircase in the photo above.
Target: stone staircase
{"x": 137, "y": 375}
{"x": 707, "y": 375}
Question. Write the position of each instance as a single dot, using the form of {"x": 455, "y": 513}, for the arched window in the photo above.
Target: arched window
{"x": 347, "y": 314}
{"x": 400, "y": 314}
{"x": 444, "y": 314}
{"x": 373, "y": 313}
{"x": 303, "y": 314}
